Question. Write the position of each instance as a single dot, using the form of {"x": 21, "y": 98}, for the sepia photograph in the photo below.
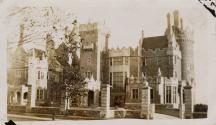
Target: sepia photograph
{"x": 106, "y": 60}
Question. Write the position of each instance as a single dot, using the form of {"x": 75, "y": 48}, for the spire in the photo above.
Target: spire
{"x": 182, "y": 26}
{"x": 43, "y": 56}
{"x": 92, "y": 78}
{"x": 21, "y": 34}
{"x": 145, "y": 82}
{"x": 144, "y": 77}
{"x": 142, "y": 35}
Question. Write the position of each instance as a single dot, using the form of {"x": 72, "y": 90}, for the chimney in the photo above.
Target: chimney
{"x": 176, "y": 18}
{"x": 168, "y": 20}
{"x": 21, "y": 34}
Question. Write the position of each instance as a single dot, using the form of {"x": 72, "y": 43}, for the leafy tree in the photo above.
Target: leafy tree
{"x": 73, "y": 80}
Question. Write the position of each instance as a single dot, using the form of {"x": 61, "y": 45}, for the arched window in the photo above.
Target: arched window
{"x": 25, "y": 96}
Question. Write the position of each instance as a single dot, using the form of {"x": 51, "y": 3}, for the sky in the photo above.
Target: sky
{"x": 127, "y": 18}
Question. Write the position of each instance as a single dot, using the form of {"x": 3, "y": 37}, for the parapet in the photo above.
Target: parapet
{"x": 94, "y": 27}
{"x": 88, "y": 27}
{"x": 124, "y": 51}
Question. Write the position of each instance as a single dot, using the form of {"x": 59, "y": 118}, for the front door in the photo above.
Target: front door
{"x": 90, "y": 98}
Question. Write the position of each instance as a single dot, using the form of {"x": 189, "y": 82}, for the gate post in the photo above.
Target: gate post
{"x": 188, "y": 101}
{"x": 31, "y": 98}
{"x": 147, "y": 110}
{"x": 105, "y": 101}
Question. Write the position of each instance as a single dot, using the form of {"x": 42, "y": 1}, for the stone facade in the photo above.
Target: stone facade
{"x": 166, "y": 62}
{"x": 95, "y": 38}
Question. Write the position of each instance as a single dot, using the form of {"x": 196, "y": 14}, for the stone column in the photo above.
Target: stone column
{"x": 105, "y": 101}
{"x": 145, "y": 102}
{"x": 188, "y": 102}
{"x": 96, "y": 98}
{"x": 31, "y": 98}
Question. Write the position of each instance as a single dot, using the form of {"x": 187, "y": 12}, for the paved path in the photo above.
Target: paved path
{"x": 162, "y": 116}
{"x": 48, "y": 117}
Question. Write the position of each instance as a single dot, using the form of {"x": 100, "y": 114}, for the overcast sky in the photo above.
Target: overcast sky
{"x": 126, "y": 19}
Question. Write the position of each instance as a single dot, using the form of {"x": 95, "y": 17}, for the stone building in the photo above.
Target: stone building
{"x": 27, "y": 67}
{"x": 122, "y": 63}
{"x": 165, "y": 62}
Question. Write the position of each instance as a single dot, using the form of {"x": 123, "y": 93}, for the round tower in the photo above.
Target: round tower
{"x": 184, "y": 37}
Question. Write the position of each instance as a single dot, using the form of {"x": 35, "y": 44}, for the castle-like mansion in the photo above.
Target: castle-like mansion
{"x": 165, "y": 62}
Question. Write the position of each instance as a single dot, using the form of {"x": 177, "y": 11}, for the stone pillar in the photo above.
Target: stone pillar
{"x": 65, "y": 102}
{"x": 188, "y": 102}
{"x": 145, "y": 102}
{"x": 21, "y": 98}
{"x": 181, "y": 111}
{"x": 105, "y": 101}
{"x": 31, "y": 98}
{"x": 84, "y": 101}
{"x": 96, "y": 98}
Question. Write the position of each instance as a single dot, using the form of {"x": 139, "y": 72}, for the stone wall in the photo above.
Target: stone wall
{"x": 170, "y": 65}
{"x": 88, "y": 57}
{"x": 16, "y": 109}
{"x": 167, "y": 110}
{"x": 85, "y": 112}
{"x": 45, "y": 110}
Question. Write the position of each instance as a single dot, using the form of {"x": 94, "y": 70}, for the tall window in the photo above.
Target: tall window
{"x": 126, "y": 60}
{"x": 144, "y": 62}
{"x": 26, "y": 73}
{"x": 42, "y": 75}
{"x": 38, "y": 74}
{"x": 118, "y": 61}
{"x": 110, "y": 78}
{"x": 88, "y": 74}
{"x": 135, "y": 93}
{"x": 89, "y": 60}
{"x": 174, "y": 94}
{"x": 110, "y": 61}
{"x": 168, "y": 94}
{"x": 152, "y": 95}
{"x": 118, "y": 80}
{"x": 40, "y": 94}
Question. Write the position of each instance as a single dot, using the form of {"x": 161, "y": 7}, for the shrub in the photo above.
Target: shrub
{"x": 200, "y": 108}
{"x": 200, "y": 111}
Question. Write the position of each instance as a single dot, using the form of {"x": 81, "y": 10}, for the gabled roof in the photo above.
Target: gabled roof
{"x": 38, "y": 52}
{"x": 155, "y": 42}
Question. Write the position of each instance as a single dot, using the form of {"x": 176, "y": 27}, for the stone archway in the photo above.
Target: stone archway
{"x": 25, "y": 95}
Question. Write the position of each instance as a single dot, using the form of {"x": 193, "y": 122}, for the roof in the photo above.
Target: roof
{"x": 38, "y": 52}
{"x": 155, "y": 42}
